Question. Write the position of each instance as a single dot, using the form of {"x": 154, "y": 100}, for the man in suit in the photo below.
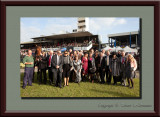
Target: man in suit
{"x": 123, "y": 60}
{"x": 49, "y": 65}
{"x": 57, "y": 64}
{"x": 107, "y": 70}
{"x": 102, "y": 67}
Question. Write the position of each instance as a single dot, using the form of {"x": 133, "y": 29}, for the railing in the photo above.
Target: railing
{"x": 74, "y": 48}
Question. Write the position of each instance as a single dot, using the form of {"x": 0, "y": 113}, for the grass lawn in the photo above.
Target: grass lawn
{"x": 85, "y": 89}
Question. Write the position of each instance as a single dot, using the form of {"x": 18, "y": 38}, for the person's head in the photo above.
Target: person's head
{"x": 76, "y": 57}
{"x": 92, "y": 50}
{"x": 85, "y": 54}
{"x": 101, "y": 54}
{"x": 90, "y": 54}
{"x": 119, "y": 52}
{"x": 70, "y": 50}
{"x": 96, "y": 53}
{"x": 130, "y": 58}
{"x": 58, "y": 52}
{"x": 123, "y": 53}
{"x": 65, "y": 53}
{"x": 103, "y": 51}
{"x": 51, "y": 52}
{"x": 71, "y": 54}
{"x": 107, "y": 52}
{"x": 114, "y": 55}
{"x": 29, "y": 52}
{"x": 75, "y": 53}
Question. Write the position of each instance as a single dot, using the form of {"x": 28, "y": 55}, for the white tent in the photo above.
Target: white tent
{"x": 128, "y": 49}
{"x": 108, "y": 48}
{"x": 113, "y": 49}
{"x": 118, "y": 48}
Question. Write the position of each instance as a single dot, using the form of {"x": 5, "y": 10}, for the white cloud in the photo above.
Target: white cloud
{"x": 28, "y": 32}
{"x": 99, "y": 24}
{"x": 61, "y": 25}
{"x": 50, "y": 27}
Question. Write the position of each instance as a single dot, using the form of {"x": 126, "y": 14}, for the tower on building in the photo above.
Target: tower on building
{"x": 83, "y": 24}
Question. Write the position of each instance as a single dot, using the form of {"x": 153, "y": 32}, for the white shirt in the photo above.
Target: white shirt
{"x": 107, "y": 60}
{"x": 58, "y": 60}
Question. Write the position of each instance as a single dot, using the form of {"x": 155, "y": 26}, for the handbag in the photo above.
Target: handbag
{"x": 92, "y": 70}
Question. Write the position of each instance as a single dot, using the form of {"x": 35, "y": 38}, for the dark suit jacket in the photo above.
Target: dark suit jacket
{"x": 43, "y": 62}
{"x": 102, "y": 65}
{"x": 106, "y": 60}
{"x": 54, "y": 63}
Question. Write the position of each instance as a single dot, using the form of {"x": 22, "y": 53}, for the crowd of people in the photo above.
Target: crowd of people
{"x": 80, "y": 66}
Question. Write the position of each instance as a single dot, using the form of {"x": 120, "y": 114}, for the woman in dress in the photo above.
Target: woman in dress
{"x": 77, "y": 66}
{"x": 85, "y": 66}
{"x": 66, "y": 67}
{"x": 91, "y": 67}
{"x": 114, "y": 68}
{"x": 130, "y": 70}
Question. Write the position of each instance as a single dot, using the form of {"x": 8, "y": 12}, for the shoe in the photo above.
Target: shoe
{"x": 60, "y": 86}
{"x": 64, "y": 85}
{"x": 131, "y": 87}
{"x": 55, "y": 85}
{"x": 67, "y": 85}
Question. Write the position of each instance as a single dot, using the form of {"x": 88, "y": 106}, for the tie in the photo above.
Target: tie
{"x": 122, "y": 60}
{"x": 49, "y": 60}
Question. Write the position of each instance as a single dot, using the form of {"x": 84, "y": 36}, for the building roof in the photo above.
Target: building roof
{"x": 28, "y": 42}
{"x": 68, "y": 35}
{"x": 122, "y": 34}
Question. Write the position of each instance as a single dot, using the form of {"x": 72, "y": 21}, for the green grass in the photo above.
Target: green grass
{"x": 85, "y": 89}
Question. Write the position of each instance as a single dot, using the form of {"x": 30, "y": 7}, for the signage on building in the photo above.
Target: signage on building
{"x": 77, "y": 48}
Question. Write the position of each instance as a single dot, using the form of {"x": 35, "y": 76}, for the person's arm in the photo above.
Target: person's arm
{"x": 135, "y": 65}
{"x": 80, "y": 64}
{"x": 70, "y": 61}
{"x": 110, "y": 65}
{"x": 61, "y": 62}
{"x": 27, "y": 63}
{"x": 53, "y": 62}
{"x": 103, "y": 63}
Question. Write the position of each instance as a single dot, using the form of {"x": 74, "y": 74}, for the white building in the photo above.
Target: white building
{"x": 83, "y": 24}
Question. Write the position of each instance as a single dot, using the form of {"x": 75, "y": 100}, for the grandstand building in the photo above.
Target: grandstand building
{"x": 76, "y": 41}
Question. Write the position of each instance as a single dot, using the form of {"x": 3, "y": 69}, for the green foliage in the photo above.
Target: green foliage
{"x": 84, "y": 89}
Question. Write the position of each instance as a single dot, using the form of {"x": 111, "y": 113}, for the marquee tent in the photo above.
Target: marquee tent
{"x": 128, "y": 49}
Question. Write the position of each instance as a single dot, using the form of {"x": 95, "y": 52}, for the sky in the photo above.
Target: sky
{"x": 31, "y": 27}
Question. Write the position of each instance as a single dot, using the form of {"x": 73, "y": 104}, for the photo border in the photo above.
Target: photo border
{"x": 156, "y": 6}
